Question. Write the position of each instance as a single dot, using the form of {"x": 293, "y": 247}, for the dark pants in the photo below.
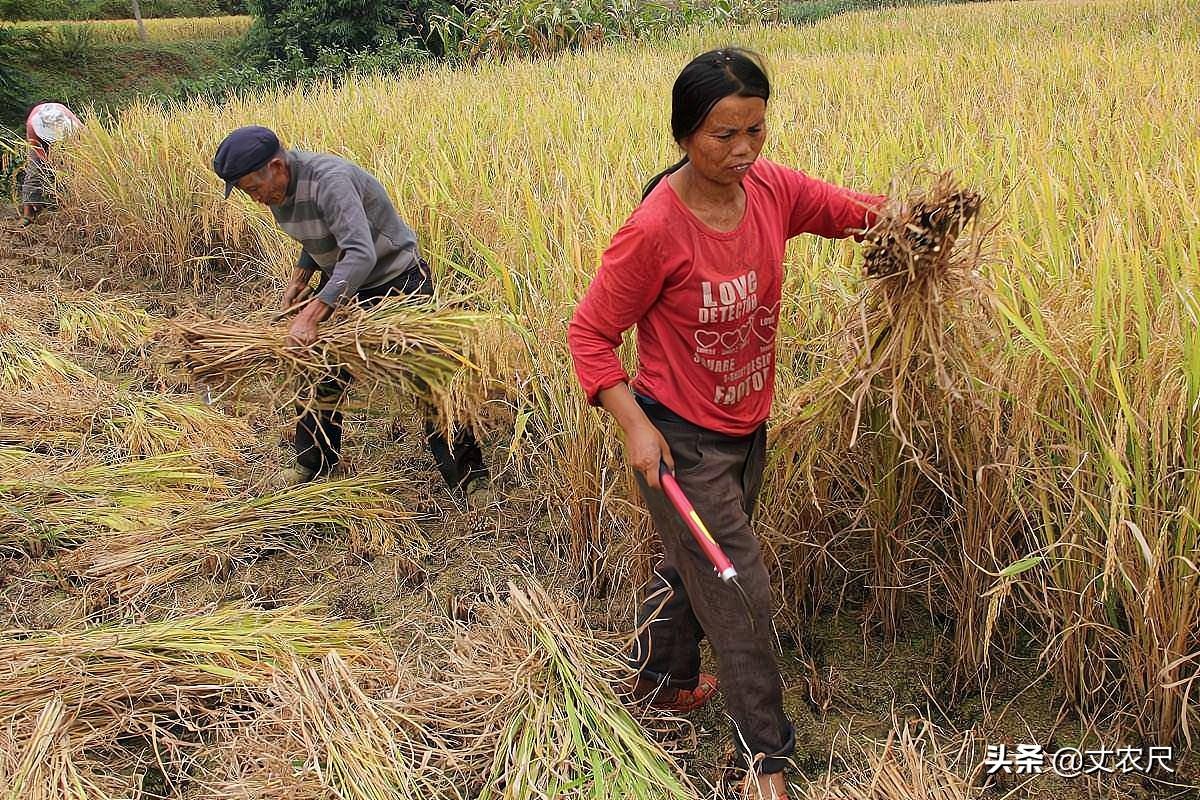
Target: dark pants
{"x": 319, "y": 426}
{"x": 37, "y": 186}
{"x": 686, "y": 601}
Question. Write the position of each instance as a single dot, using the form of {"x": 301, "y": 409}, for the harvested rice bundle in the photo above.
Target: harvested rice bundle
{"x": 46, "y": 766}
{"x": 566, "y": 733}
{"x": 519, "y": 705}
{"x": 919, "y": 333}
{"x": 401, "y": 346}
{"x": 897, "y": 429}
{"x": 126, "y": 563}
{"x": 154, "y": 679}
{"x": 926, "y": 316}
{"x": 362, "y": 744}
{"x": 119, "y": 422}
{"x": 918, "y": 232}
{"x": 26, "y": 364}
{"x": 115, "y": 324}
{"x": 356, "y": 731}
{"x": 46, "y": 503}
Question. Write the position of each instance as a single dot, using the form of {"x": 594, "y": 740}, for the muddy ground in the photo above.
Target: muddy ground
{"x": 845, "y": 689}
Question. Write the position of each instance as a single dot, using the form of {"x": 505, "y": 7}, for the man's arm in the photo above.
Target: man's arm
{"x": 298, "y": 286}
{"x": 342, "y": 208}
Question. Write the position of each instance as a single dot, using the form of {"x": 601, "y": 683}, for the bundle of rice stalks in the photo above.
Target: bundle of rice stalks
{"x": 518, "y": 705}
{"x": 75, "y": 692}
{"x": 108, "y": 323}
{"x": 901, "y": 428}
{"x": 917, "y": 335}
{"x": 402, "y": 346}
{"x": 565, "y": 732}
{"x": 119, "y": 422}
{"x": 919, "y": 232}
{"x": 44, "y": 502}
{"x": 48, "y": 766}
{"x": 124, "y": 564}
{"x": 365, "y": 731}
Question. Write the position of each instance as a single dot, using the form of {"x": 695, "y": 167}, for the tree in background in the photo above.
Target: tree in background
{"x": 137, "y": 14}
{"x": 307, "y": 34}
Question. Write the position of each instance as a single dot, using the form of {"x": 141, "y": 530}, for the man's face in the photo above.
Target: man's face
{"x": 269, "y": 184}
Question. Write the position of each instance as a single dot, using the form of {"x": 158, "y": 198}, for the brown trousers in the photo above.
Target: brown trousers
{"x": 686, "y": 601}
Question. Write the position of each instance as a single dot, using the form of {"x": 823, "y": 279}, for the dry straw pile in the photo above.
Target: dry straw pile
{"x": 400, "y": 349}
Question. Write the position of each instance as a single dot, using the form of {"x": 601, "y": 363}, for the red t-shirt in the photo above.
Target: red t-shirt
{"x": 706, "y": 303}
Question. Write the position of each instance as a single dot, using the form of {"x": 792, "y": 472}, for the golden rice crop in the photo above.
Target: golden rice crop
{"x": 167, "y": 29}
{"x": 1067, "y": 114}
{"x": 128, "y": 562}
{"x": 402, "y": 347}
{"x": 72, "y": 694}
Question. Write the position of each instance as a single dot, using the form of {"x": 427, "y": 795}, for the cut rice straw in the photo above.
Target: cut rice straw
{"x": 206, "y": 538}
{"x": 402, "y": 347}
{"x": 44, "y": 502}
{"x": 121, "y": 679}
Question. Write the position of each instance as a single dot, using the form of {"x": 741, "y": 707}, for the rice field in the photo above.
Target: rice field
{"x": 175, "y": 29}
{"x": 981, "y": 511}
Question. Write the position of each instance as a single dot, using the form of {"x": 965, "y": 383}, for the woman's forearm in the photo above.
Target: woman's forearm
{"x": 619, "y": 401}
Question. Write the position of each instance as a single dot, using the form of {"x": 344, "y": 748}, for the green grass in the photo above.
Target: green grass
{"x": 109, "y": 76}
{"x": 13, "y": 10}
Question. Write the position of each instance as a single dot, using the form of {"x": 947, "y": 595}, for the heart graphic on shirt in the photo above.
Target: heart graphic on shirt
{"x": 707, "y": 340}
{"x": 765, "y": 320}
{"x": 730, "y": 340}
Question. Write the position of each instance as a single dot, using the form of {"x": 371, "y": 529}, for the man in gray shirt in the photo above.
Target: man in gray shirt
{"x": 350, "y": 232}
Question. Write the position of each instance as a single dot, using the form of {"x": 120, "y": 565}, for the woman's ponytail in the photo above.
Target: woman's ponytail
{"x": 655, "y": 180}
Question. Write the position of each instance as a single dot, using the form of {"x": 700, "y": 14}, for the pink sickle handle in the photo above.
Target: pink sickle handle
{"x": 683, "y": 506}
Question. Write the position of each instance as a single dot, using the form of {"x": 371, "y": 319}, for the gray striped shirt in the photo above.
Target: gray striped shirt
{"x": 346, "y": 223}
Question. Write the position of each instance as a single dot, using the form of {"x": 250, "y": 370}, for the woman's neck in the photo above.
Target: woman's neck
{"x": 719, "y": 206}
{"x": 694, "y": 188}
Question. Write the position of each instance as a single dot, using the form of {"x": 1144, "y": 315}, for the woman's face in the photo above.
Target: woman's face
{"x": 730, "y": 138}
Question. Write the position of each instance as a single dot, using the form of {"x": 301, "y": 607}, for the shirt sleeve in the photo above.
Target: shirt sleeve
{"x": 629, "y": 281}
{"x": 828, "y": 210}
{"x": 37, "y": 147}
{"x": 341, "y": 206}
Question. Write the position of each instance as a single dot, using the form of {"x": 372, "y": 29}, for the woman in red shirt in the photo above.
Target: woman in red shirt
{"x": 698, "y": 268}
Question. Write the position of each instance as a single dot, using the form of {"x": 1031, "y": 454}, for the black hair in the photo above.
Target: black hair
{"x": 707, "y": 80}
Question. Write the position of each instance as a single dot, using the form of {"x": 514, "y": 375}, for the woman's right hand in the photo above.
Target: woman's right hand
{"x": 645, "y": 448}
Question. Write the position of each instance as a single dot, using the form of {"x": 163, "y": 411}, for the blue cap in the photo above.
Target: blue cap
{"x": 245, "y": 150}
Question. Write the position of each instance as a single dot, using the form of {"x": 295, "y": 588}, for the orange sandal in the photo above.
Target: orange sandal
{"x": 687, "y": 700}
